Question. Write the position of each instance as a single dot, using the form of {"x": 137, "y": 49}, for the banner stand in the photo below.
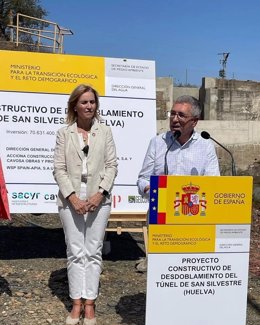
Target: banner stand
{"x": 125, "y": 222}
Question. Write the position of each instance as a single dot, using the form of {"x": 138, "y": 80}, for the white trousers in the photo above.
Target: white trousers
{"x": 84, "y": 235}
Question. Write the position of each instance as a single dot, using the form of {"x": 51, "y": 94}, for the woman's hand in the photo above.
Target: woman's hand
{"x": 78, "y": 204}
{"x": 94, "y": 201}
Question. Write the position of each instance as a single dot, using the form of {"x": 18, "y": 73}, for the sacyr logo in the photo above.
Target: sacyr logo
{"x": 25, "y": 195}
{"x": 116, "y": 199}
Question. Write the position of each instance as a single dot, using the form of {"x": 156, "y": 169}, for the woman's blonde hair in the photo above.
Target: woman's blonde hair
{"x": 73, "y": 99}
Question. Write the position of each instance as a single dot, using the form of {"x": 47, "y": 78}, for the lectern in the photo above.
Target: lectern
{"x": 198, "y": 250}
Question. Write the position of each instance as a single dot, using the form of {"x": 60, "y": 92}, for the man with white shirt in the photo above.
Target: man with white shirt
{"x": 179, "y": 151}
{"x": 187, "y": 152}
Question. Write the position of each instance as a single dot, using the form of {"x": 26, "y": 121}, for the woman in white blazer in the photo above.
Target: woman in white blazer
{"x": 85, "y": 166}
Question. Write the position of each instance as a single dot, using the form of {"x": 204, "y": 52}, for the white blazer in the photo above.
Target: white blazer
{"x": 68, "y": 158}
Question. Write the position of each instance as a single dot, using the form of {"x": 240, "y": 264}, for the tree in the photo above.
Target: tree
{"x": 9, "y": 10}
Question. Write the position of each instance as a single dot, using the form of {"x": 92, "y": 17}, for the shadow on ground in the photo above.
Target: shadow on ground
{"x": 130, "y": 306}
{"x": 123, "y": 247}
{"x": 31, "y": 242}
{"x": 4, "y": 287}
{"x": 58, "y": 283}
{"x": 39, "y": 242}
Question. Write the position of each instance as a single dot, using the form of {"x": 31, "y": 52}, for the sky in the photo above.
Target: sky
{"x": 185, "y": 38}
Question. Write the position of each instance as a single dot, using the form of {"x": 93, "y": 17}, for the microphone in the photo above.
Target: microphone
{"x": 206, "y": 135}
{"x": 175, "y": 136}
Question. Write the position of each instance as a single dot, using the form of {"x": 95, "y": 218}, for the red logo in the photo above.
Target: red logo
{"x": 115, "y": 200}
{"x": 190, "y": 201}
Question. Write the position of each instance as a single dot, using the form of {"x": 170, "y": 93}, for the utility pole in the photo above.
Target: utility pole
{"x": 223, "y": 62}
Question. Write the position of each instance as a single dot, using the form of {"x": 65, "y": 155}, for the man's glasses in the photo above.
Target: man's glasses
{"x": 85, "y": 150}
{"x": 179, "y": 115}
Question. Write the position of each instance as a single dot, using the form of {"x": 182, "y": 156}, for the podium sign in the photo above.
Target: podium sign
{"x": 198, "y": 250}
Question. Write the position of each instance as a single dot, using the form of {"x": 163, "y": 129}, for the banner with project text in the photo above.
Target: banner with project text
{"x": 34, "y": 89}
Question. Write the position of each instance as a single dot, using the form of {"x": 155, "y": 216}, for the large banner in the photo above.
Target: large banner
{"x": 198, "y": 251}
{"x": 34, "y": 89}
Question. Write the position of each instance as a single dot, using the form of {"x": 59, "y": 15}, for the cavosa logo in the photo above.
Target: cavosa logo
{"x": 25, "y": 195}
{"x": 50, "y": 197}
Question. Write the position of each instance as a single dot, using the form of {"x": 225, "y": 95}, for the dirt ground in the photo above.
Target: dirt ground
{"x": 254, "y": 265}
{"x": 33, "y": 278}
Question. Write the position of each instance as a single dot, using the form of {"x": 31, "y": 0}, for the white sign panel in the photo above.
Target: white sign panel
{"x": 197, "y": 289}
{"x": 29, "y": 121}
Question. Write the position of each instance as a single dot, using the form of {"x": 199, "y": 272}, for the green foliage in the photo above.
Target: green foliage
{"x": 10, "y": 8}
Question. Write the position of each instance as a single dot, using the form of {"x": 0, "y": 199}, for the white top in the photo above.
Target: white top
{"x": 196, "y": 157}
{"x": 84, "y": 164}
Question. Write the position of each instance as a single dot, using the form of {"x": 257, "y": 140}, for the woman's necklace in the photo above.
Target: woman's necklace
{"x": 85, "y": 134}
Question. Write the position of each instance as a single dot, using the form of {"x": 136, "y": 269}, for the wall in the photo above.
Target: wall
{"x": 232, "y": 117}
{"x": 166, "y": 94}
{"x": 179, "y": 91}
{"x": 242, "y": 138}
{"x": 230, "y": 99}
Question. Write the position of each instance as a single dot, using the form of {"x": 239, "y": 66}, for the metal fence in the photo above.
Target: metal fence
{"x": 50, "y": 36}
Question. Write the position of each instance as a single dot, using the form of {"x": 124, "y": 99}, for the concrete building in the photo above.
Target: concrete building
{"x": 166, "y": 94}
{"x": 233, "y": 100}
{"x": 231, "y": 114}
